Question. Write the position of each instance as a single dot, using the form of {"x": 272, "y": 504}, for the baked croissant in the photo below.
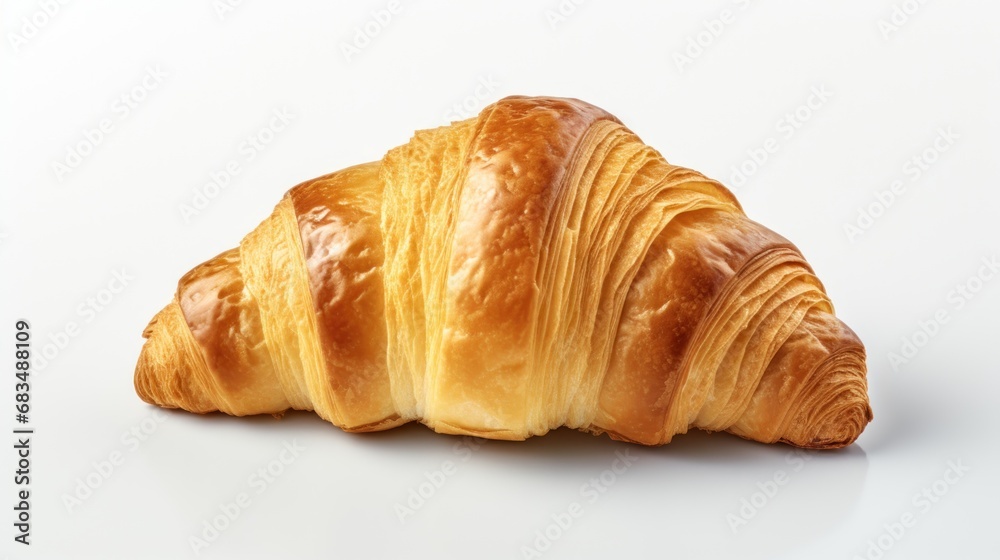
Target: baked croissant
{"x": 534, "y": 267}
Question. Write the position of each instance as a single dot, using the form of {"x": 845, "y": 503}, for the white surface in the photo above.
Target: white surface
{"x": 62, "y": 241}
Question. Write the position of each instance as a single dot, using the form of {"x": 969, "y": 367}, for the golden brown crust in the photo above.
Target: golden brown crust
{"x": 686, "y": 270}
{"x": 534, "y": 267}
{"x": 170, "y": 367}
{"x": 516, "y": 171}
{"x": 338, "y": 218}
{"x": 226, "y": 327}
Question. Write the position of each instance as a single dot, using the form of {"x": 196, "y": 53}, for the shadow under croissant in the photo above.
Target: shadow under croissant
{"x": 937, "y": 409}
{"x": 559, "y": 442}
{"x": 704, "y": 491}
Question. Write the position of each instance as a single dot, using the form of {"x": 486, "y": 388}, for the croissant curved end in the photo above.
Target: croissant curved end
{"x": 164, "y": 373}
{"x": 837, "y": 410}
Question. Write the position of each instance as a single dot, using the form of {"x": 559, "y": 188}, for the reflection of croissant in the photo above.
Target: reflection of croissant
{"x": 533, "y": 267}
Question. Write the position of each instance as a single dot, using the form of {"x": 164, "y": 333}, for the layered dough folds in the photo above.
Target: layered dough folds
{"x": 534, "y": 267}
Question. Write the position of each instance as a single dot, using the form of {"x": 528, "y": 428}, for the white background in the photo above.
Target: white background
{"x": 64, "y": 235}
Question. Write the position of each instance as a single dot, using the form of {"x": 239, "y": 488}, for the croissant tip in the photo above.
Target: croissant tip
{"x": 162, "y": 372}
{"x": 838, "y": 430}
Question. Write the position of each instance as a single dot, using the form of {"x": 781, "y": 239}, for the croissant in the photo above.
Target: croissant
{"x": 534, "y": 267}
